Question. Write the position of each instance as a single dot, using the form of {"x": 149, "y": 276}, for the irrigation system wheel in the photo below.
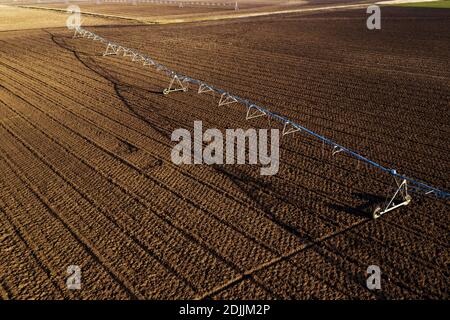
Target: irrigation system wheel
{"x": 376, "y": 213}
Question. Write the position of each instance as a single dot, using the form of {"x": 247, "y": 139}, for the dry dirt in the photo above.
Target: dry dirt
{"x": 86, "y": 177}
{"x": 15, "y": 18}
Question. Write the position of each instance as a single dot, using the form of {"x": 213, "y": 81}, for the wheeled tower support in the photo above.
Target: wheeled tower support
{"x": 176, "y": 85}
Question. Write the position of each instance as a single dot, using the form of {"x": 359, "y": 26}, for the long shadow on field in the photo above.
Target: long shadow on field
{"x": 364, "y": 210}
{"x": 250, "y": 186}
{"x": 342, "y": 263}
{"x": 247, "y": 184}
{"x": 119, "y": 88}
{"x": 242, "y": 181}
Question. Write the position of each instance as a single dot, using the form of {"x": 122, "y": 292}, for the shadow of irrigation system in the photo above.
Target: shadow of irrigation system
{"x": 181, "y": 82}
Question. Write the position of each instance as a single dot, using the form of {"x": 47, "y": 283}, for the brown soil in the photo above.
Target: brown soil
{"x": 168, "y": 13}
{"x": 86, "y": 176}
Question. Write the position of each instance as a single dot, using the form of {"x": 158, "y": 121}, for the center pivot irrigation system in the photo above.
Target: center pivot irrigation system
{"x": 180, "y": 82}
{"x": 178, "y": 3}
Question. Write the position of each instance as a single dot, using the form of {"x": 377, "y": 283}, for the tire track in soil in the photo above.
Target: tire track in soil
{"x": 5, "y": 293}
{"x": 281, "y": 89}
{"x": 401, "y": 280}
